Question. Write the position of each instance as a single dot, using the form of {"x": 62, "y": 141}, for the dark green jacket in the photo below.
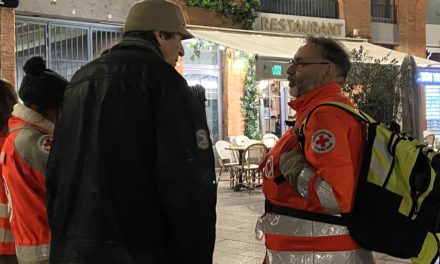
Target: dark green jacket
{"x": 131, "y": 171}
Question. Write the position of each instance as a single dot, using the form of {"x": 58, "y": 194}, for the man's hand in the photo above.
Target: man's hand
{"x": 291, "y": 165}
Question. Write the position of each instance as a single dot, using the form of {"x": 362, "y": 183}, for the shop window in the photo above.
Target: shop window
{"x": 202, "y": 65}
{"x": 211, "y": 84}
{"x": 433, "y": 108}
{"x": 66, "y": 46}
{"x": 433, "y": 12}
{"x": 30, "y": 41}
{"x": 383, "y": 11}
{"x": 205, "y": 55}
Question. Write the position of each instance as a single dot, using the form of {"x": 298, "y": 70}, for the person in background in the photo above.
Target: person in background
{"x": 24, "y": 157}
{"x": 321, "y": 177}
{"x": 199, "y": 97}
{"x": 7, "y": 245}
{"x": 131, "y": 175}
{"x": 278, "y": 126}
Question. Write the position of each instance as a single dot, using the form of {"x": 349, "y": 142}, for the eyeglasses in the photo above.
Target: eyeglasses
{"x": 295, "y": 63}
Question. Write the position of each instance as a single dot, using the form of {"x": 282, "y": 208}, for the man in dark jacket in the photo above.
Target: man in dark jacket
{"x": 131, "y": 170}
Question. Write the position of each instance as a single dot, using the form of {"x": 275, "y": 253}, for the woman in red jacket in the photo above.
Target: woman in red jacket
{"x": 7, "y": 246}
{"x": 24, "y": 157}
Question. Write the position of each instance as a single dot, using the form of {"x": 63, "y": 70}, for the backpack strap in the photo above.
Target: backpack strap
{"x": 342, "y": 220}
{"x": 355, "y": 112}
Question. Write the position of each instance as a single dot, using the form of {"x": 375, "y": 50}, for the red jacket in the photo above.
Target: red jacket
{"x": 7, "y": 244}
{"x": 333, "y": 147}
{"x": 25, "y": 154}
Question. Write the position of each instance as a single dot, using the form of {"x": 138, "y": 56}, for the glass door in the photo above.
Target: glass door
{"x": 270, "y": 107}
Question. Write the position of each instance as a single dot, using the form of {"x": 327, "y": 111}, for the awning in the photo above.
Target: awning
{"x": 433, "y": 49}
{"x": 275, "y": 45}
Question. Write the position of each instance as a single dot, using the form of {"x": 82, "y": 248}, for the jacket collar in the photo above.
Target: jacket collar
{"x": 33, "y": 117}
{"x": 140, "y": 43}
{"x": 316, "y": 96}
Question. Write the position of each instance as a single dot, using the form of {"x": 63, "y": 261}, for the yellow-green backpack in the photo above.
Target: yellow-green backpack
{"x": 397, "y": 203}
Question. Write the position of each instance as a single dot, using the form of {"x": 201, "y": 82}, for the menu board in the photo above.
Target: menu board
{"x": 433, "y": 109}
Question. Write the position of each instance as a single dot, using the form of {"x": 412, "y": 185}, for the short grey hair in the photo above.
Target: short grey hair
{"x": 333, "y": 51}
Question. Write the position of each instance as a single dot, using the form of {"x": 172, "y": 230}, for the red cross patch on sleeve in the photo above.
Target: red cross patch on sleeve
{"x": 323, "y": 141}
{"x": 44, "y": 143}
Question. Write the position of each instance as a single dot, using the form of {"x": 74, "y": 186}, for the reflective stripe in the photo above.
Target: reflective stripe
{"x": 359, "y": 256}
{"x": 12, "y": 129}
{"x": 326, "y": 196}
{"x": 380, "y": 160}
{"x": 4, "y": 212}
{"x": 26, "y": 144}
{"x": 33, "y": 253}
{"x": 291, "y": 226}
{"x": 304, "y": 178}
{"x": 6, "y": 236}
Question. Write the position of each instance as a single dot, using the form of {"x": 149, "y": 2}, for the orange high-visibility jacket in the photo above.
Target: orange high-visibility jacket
{"x": 334, "y": 142}
{"x": 25, "y": 154}
{"x": 7, "y": 244}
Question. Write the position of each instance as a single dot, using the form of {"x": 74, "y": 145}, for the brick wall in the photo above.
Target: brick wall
{"x": 206, "y": 17}
{"x": 7, "y": 44}
{"x": 411, "y": 19}
{"x": 357, "y": 14}
{"x": 412, "y": 34}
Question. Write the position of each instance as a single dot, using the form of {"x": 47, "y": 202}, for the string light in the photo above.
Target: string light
{"x": 73, "y": 7}
{"x": 108, "y": 6}
{"x": 92, "y": 5}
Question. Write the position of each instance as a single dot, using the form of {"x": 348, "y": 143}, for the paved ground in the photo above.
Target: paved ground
{"x": 236, "y": 216}
{"x": 237, "y": 213}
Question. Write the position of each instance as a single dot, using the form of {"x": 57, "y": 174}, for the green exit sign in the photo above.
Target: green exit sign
{"x": 268, "y": 68}
{"x": 277, "y": 70}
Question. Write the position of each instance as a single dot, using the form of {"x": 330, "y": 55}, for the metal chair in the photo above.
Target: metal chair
{"x": 429, "y": 140}
{"x": 224, "y": 158}
{"x": 240, "y": 140}
{"x": 269, "y": 140}
{"x": 247, "y": 173}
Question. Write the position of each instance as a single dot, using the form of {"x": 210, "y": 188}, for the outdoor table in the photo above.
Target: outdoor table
{"x": 240, "y": 151}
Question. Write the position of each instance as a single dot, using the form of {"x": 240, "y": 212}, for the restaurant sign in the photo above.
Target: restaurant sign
{"x": 299, "y": 25}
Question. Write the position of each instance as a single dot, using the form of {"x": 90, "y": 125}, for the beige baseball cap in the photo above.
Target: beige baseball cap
{"x": 160, "y": 15}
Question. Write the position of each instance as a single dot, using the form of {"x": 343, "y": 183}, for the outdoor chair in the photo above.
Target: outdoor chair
{"x": 247, "y": 174}
{"x": 240, "y": 140}
{"x": 224, "y": 158}
{"x": 250, "y": 142}
{"x": 269, "y": 140}
{"x": 429, "y": 140}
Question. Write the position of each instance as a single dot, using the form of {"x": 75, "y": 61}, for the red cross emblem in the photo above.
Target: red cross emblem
{"x": 44, "y": 143}
{"x": 268, "y": 168}
{"x": 323, "y": 141}
{"x": 47, "y": 142}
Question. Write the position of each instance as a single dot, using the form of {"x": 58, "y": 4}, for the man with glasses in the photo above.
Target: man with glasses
{"x": 319, "y": 178}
